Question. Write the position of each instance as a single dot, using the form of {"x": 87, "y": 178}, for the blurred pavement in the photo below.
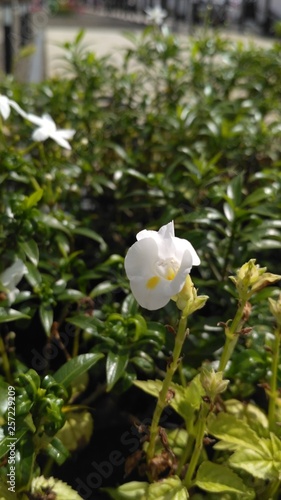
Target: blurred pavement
{"x": 104, "y": 34}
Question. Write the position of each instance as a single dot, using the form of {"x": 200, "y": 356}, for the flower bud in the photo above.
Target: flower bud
{"x": 251, "y": 278}
{"x": 187, "y": 299}
{"x": 275, "y": 309}
{"x": 212, "y": 382}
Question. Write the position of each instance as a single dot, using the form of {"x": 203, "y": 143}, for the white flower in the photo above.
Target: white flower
{"x": 157, "y": 266}
{"x": 156, "y": 14}
{"x": 11, "y": 277}
{"x": 5, "y": 107}
{"x": 48, "y": 129}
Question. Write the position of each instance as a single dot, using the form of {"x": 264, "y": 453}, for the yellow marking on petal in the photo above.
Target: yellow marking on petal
{"x": 170, "y": 274}
{"x": 152, "y": 282}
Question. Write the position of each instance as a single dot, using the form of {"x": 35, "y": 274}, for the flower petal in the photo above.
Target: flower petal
{"x": 4, "y": 107}
{"x": 12, "y": 276}
{"x": 150, "y": 298}
{"x": 181, "y": 246}
{"x": 141, "y": 259}
{"x": 66, "y": 133}
{"x": 17, "y": 108}
{"x": 57, "y": 137}
{"x": 40, "y": 134}
{"x": 167, "y": 231}
{"x": 177, "y": 283}
{"x": 37, "y": 120}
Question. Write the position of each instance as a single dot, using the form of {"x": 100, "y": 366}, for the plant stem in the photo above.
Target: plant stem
{"x": 185, "y": 454}
{"x": 200, "y": 431}
{"x": 28, "y": 148}
{"x": 75, "y": 348}
{"x": 272, "y": 491}
{"x": 273, "y": 379}
{"x": 5, "y": 362}
{"x": 48, "y": 467}
{"x": 162, "y": 401}
{"x": 232, "y": 336}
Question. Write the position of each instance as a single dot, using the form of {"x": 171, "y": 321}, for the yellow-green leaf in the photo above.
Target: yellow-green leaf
{"x": 217, "y": 478}
{"x": 170, "y": 488}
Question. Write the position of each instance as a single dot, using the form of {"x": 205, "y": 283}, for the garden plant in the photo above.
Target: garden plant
{"x": 140, "y": 315}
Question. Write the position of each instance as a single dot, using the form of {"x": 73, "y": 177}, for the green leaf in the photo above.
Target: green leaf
{"x": 54, "y": 223}
{"x": 255, "y": 197}
{"x": 5, "y": 494}
{"x": 138, "y": 175}
{"x": 33, "y": 199}
{"x": 31, "y": 250}
{"x": 102, "y": 288}
{"x": 30, "y": 380}
{"x": 46, "y": 314}
{"x": 115, "y": 366}
{"x": 254, "y": 416}
{"x": 63, "y": 244}
{"x": 58, "y": 489}
{"x": 229, "y": 429}
{"x": 75, "y": 367}
{"x": 25, "y": 459}
{"x": 33, "y": 276}
{"x": 57, "y": 451}
{"x": 186, "y": 400}
{"x": 136, "y": 490}
{"x": 7, "y": 315}
{"x": 87, "y": 323}
{"x": 218, "y": 478}
{"x": 234, "y": 190}
{"x": 77, "y": 430}
{"x": 263, "y": 464}
{"x": 6, "y": 440}
{"x": 3, "y": 397}
{"x": 79, "y": 37}
{"x": 89, "y": 233}
{"x": 129, "y": 305}
{"x": 71, "y": 295}
{"x": 170, "y": 488}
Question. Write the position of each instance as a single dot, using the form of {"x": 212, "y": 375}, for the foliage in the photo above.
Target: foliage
{"x": 188, "y": 131}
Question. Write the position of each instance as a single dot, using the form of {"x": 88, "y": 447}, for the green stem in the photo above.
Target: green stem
{"x": 185, "y": 454}
{"x": 273, "y": 395}
{"x": 48, "y": 467}
{"x": 5, "y": 362}
{"x": 28, "y": 148}
{"x": 200, "y": 432}
{"x": 42, "y": 153}
{"x": 162, "y": 398}
{"x": 232, "y": 336}
{"x": 182, "y": 376}
{"x": 272, "y": 491}
{"x": 75, "y": 348}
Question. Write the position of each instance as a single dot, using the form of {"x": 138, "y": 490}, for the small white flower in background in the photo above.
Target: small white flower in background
{"x": 157, "y": 266}
{"x": 11, "y": 277}
{"x": 48, "y": 129}
{"x": 5, "y": 107}
{"x": 156, "y": 14}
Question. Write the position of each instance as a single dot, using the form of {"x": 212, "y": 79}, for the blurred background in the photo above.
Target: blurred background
{"x": 32, "y": 30}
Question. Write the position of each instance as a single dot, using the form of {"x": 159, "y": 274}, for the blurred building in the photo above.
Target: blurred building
{"x": 21, "y": 38}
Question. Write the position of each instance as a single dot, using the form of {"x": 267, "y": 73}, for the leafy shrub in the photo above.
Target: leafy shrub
{"x": 182, "y": 130}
